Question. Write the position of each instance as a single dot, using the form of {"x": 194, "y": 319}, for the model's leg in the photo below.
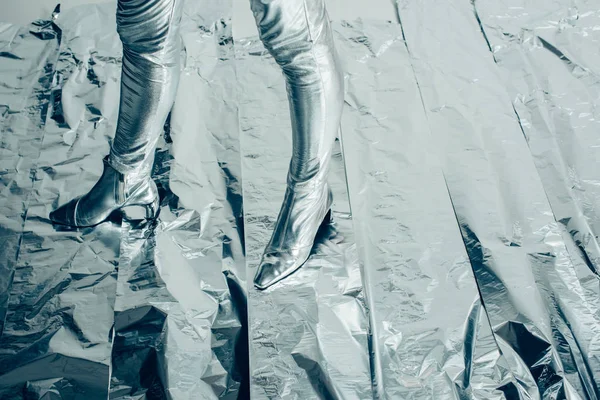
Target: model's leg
{"x": 149, "y": 30}
{"x": 298, "y": 35}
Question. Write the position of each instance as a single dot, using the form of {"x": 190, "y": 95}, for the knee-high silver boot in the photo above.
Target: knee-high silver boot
{"x": 149, "y": 30}
{"x": 298, "y": 35}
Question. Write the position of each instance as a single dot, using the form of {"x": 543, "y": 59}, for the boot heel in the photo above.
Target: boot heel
{"x": 136, "y": 212}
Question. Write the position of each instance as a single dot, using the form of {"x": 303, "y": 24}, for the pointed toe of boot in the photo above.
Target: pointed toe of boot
{"x": 277, "y": 266}
{"x": 65, "y": 214}
{"x": 267, "y": 275}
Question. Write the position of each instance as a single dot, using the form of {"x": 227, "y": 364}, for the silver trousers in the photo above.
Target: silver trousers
{"x": 297, "y": 34}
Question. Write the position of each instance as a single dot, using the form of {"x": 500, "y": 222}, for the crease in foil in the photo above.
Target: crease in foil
{"x": 125, "y": 310}
{"x": 533, "y": 283}
{"x": 308, "y": 333}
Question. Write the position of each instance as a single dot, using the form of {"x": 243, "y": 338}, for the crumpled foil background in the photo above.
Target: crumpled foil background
{"x": 462, "y": 262}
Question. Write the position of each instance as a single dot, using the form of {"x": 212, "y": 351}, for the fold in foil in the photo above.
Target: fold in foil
{"x": 463, "y": 266}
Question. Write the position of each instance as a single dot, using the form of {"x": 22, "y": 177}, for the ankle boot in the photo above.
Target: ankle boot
{"x": 298, "y": 35}
{"x": 305, "y": 208}
{"x": 113, "y": 191}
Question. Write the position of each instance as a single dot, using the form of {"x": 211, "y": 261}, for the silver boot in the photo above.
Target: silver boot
{"x": 149, "y": 30}
{"x": 113, "y": 191}
{"x": 298, "y": 35}
{"x": 304, "y": 210}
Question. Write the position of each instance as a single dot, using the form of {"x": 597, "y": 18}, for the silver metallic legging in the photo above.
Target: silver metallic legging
{"x": 149, "y": 30}
{"x": 296, "y": 32}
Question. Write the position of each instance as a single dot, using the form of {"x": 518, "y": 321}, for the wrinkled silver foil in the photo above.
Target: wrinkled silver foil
{"x": 150, "y": 311}
{"x": 533, "y": 282}
{"x": 57, "y": 333}
{"x": 548, "y": 61}
{"x": 462, "y": 259}
{"x": 430, "y": 333}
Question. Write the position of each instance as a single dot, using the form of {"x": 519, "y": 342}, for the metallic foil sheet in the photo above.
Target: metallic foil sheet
{"x": 430, "y": 334}
{"x": 544, "y": 320}
{"x": 28, "y": 56}
{"x": 548, "y": 57}
{"x": 56, "y": 340}
{"x": 307, "y": 334}
{"x": 548, "y": 61}
{"x": 175, "y": 290}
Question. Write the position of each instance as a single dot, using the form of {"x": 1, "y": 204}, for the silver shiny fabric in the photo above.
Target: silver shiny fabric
{"x": 149, "y": 31}
{"x": 27, "y": 68}
{"x": 555, "y": 95}
{"x": 298, "y": 35}
{"x": 56, "y": 337}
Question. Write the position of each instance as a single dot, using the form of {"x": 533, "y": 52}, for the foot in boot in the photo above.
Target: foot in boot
{"x": 112, "y": 192}
{"x": 303, "y": 211}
